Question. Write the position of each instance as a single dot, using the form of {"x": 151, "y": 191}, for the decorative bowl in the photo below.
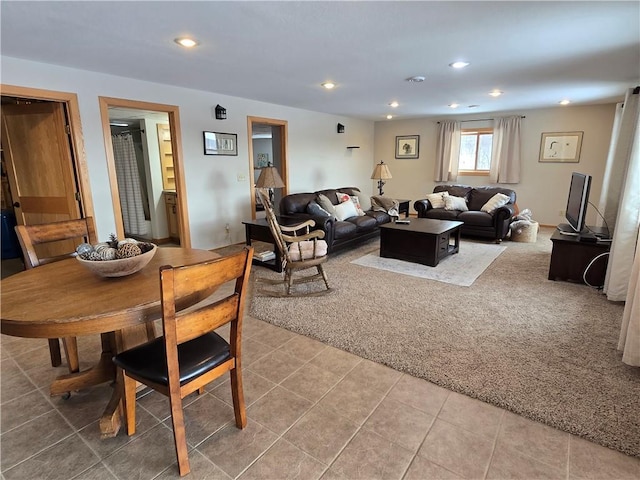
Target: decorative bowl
{"x": 120, "y": 267}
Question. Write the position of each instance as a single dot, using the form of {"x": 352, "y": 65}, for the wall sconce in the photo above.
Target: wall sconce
{"x": 221, "y": 113}
{"x": 340, "y": 128}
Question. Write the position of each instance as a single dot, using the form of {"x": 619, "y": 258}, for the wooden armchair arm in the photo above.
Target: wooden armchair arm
{"x": 299, "y": 226}
{"x": 300, "y": 238}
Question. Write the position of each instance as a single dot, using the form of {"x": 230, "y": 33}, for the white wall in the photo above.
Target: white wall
{"x": 153, "y": 166}
{"x": 543, "y": 187}
{"x": 318, "y": 157}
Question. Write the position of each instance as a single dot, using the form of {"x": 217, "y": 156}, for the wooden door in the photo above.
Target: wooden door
{"x": 40, "y": 167}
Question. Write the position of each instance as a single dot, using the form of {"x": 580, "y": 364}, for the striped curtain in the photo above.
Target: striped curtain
{"x": 129, "y": 185}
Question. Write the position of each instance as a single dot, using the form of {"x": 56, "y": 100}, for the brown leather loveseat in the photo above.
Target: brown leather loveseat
{"x": 494, "y": 225}
{"x": 338, "y": 234}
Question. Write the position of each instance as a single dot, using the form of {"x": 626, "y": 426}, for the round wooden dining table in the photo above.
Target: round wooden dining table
{"x": 64, "y": 299}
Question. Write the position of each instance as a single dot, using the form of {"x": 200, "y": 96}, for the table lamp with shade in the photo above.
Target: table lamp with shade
{"x": 269, "y": 178}
{"x": 380, "y": 173}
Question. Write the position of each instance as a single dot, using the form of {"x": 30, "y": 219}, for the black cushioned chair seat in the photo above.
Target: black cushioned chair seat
{"x": 195, "y": 357}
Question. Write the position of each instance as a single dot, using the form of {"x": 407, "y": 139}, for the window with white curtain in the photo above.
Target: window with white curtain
{"x": 475, "y": 151}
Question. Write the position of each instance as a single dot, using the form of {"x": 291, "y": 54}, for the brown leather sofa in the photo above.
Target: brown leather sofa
{"x": 338, "y": 234}
{"x": 477, "y": 223}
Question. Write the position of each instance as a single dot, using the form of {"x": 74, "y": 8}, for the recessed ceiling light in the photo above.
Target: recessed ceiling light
{"x": 454, "y": 105}
{"x": 328, "y": 85}
{"x": 389, "y": 117}
{"x": 186, "y": 42}
{"x": 394, "y": 104}
{"x": 496, "y": 93}
{"x": 459, "y": 64}
{"x": 565, "y": 102}
{"x": 416, "y": 79}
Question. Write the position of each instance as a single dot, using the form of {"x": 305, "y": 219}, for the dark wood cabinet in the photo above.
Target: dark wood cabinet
{"x": 570, "y": 258}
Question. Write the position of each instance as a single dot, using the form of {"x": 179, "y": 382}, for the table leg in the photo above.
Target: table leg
{"x": 103, "y": 371}
{"x": 111, "y": 419}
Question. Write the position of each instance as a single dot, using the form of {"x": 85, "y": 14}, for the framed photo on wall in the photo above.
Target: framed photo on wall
{"x": 216, "y": 143}
{"x": 560, "y": 147}
{"x": 407, "y": 146}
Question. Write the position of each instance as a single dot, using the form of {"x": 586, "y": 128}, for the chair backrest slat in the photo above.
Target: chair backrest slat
{"x": 203, "y": 279}
{"x": 192, "y": 324}
{"x": 54, "y": 234}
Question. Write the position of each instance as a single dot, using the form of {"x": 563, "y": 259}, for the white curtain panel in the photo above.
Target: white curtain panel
{"x": 626, "y": 181}
{"x": 447, "y": 152}
{"x": 629, "y": 341}
{"x": 613, "y": 176}
{"x": 505, "y": 153}
{"x": 129, "y": 185}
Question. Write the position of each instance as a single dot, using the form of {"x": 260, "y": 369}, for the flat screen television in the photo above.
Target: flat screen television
{"x": 577, "y": 203}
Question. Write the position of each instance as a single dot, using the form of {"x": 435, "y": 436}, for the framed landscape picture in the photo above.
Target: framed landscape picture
{"x": 560, "y": 147}
{"x": 407, "y": 146}
{"x": 216, "y": 143}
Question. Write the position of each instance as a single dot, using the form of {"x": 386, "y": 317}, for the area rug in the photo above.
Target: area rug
{"x": 539, "y": 348}
{"x": 460, "y": 269}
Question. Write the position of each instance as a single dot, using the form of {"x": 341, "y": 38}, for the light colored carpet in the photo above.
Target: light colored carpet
{"x": 542, "y": 349}
{"x": 462, "y": 269}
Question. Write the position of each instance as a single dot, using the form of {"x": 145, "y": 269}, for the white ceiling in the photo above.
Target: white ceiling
{"x": 538, "y": 53}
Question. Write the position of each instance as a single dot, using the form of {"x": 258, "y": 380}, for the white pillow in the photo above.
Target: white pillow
{"x": 497, "y": 201}
{"x": 455, "y": 203}
{"x": 345, "y": 210}
{"x": 307, "y": 249}
{"x": 345, "y": 197}
{"x": 437, "y": 199}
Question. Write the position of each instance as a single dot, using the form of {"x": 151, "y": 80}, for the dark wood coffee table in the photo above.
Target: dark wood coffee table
{"x": 424, "y": 240}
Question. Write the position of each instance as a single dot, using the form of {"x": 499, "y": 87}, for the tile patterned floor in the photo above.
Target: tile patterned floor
{"x": 313, "y": 412}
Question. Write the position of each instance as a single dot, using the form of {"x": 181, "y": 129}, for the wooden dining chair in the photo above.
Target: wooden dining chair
{"x": 300, "y": 248}
{"x": 51, "y": 242}
{"x": 190, "y": 354}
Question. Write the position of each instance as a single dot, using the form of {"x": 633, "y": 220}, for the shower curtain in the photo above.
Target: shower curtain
{"x": 129, "y": 185}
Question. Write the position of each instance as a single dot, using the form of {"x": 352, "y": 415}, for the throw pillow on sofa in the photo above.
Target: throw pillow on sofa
{"x": 314, "y": 209}
{"x": 455, "y": 203}
{"x": 365, "y": 202}
{"x": 495, "y": 202}
{"x": 437, "y": 199}
{"x": 325, "y": 203}
{"x": 345, "y": 197}
{"x": 345, "y": 210}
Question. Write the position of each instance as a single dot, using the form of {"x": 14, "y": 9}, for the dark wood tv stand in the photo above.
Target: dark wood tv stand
{"x": 571, "y": 256}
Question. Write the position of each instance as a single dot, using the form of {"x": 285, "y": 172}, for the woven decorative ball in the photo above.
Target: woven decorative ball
{"x": 120, "y": 267}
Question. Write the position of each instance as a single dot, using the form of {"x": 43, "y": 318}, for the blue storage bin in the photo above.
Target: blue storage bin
{"x": 10, "y": 244}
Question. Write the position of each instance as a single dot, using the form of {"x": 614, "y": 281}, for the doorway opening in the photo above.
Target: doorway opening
{"x": 267, "y": 147}
{"x": 143, "y": 145}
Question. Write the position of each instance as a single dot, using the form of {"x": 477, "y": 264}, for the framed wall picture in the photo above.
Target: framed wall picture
{"x": 560, "y": 147}
{"x": 262, "y": 160}
{"x": 407, "y": 146}
{"x": 216, "y": 143}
